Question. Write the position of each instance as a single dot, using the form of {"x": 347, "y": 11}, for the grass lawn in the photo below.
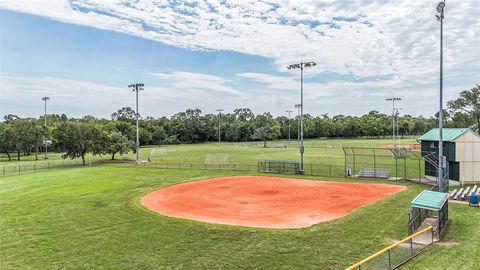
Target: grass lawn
{"x": 90, "y": 218}
{"x": 318, "y": 156}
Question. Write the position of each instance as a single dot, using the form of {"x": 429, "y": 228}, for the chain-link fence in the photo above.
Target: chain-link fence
{"x": 40, "y": 166}
{"x": 386, "y": 163}
{"x": 397, "y": 254}
{"x": 309, "y": 169}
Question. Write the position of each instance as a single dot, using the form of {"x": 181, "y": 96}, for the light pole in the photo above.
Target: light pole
{"x": 289, "y": 112}
{"x": 441, "y": 158}
{"x": 297, "y": 106}
{"x": 301, "y": 66}
{"x": 397, "y": 114}
{"x": 219, "y": 116}
{"x": 137, "y": 87}
{"x": 45, "y": 141}
{"x": 393, "y": 99}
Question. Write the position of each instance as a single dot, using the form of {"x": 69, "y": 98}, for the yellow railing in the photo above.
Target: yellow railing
{"x": 387, "y": 249}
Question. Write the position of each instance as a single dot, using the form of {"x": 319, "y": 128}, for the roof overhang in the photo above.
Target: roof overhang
{"x": 430, "y": 200}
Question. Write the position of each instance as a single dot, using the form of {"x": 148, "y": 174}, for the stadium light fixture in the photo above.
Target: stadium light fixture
{"x": 45, "y": 141}
{"x": 219, "y": 131}
{"x": 301, "y": 66}
{"x": 393, "y": 99}
{"x": 442, "y": 185}
{"x": 289, "y": 112}
{"x": 136, "y": 87}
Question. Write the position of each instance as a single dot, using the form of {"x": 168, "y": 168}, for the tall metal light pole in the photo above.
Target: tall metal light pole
{"x": 45, "y": 141}
{"x": 297, "y": 106}
{"x": 301, "y": 66}
{"x": 137, "y": 87}
{"x": 441, "y": 158}
{"x": 219, "y": 116}
{"x": 288, "y": 111}
{"x": 393, "y": 99}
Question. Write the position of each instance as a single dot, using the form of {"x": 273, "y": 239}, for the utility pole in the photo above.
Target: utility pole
{"x": 45, "y": 141}
{"x": 393, "y": 99}
{"x": 219, "y": 116}
{"x": 288, "y": 111}
{"x": 137, "y": 87}
{"x": 301, "y": 66}
{"x": 442, "y": 187}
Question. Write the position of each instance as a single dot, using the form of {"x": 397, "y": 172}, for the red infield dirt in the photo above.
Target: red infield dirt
{"x": 265, "y": 202}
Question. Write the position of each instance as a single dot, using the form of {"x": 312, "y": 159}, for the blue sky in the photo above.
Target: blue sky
{"x": 208, "y": 55}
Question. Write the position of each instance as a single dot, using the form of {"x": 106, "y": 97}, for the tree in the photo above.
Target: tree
{"x": 77, "y": 139}
{"x": 118, "y": 143}
{"x": 26, "y": 136}
{"x": 467, "y": 104}
{"x": 266, "y": 128}
{"x": 125, "y": 114}
{"x": 6, "y": 139}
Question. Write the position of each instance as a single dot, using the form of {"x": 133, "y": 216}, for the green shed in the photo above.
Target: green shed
{"x": 462, "y": 151}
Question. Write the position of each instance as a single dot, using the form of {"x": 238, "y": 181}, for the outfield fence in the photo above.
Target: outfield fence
{"x": 30, "y": 167}
{"x": 399, "y": 253}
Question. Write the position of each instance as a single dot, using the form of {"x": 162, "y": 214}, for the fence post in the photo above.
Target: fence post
{"x": 3, "y": 171}
{"x": 419, "y": 171}
{"x": 396, "y": 168}
{"x": 329, "y": 170}
{"x": 19, "y": 169}
{"x": 311, "y": 169}
{"x": 34, "y": 168}
{"x": 411, "y": 246}
{"x": 389, "y": 261}
{"x": 405, "y": 167}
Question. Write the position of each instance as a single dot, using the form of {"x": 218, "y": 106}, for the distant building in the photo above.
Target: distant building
{"x": 462, "y": 150}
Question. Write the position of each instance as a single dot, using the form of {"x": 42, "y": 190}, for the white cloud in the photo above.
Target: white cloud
{"x": 396, "y": 40}
{"x": 181, "y": 81}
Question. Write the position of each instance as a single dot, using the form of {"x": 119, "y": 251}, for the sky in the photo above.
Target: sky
{"x": 233, "y": 54}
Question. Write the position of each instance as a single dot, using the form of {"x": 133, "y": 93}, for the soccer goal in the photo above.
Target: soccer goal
{"x": 216, "y": 159}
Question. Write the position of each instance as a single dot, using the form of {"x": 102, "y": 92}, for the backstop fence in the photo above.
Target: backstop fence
{"x": 397, "y": 254}
{"x": 385, "y": 163}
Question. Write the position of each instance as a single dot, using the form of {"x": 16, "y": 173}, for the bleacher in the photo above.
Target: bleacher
{"x": 374, "y": 173}
{"x": 463, "y": 194}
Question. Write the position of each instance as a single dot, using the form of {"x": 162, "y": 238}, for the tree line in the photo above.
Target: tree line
{"x": 77, "y": 137}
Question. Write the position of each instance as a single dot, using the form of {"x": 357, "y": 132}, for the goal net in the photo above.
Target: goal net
{"x": 216, "y": 159}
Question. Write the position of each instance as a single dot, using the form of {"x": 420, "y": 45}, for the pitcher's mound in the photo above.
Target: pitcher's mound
{"x": 266, "y": 202}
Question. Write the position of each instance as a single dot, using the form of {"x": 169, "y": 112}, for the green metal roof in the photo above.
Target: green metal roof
{"x": 430, "y": 200}
{"x": 449, "y": 134}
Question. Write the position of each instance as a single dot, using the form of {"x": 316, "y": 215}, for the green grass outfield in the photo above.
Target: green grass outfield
{"x": 244, "y": 153}
{"x": 90, "y": 218}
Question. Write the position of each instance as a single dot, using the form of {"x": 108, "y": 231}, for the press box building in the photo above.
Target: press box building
{"x": 461, "y": 149}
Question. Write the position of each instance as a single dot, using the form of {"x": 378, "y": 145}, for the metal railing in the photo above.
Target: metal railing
{"x": 397, "y": 254}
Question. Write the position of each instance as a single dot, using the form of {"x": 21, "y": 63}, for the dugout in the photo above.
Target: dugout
{"x": 461, "y": 149}
{"x": 279, "y": 166}
{"x": 429, "y": 208}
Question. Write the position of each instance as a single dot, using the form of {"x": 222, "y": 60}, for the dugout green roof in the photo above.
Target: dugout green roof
{"x": 449, "y": 134}
{"x": 430, "y": 200}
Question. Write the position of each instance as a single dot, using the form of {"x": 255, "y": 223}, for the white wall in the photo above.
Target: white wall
{"x": 467, "y": 152}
